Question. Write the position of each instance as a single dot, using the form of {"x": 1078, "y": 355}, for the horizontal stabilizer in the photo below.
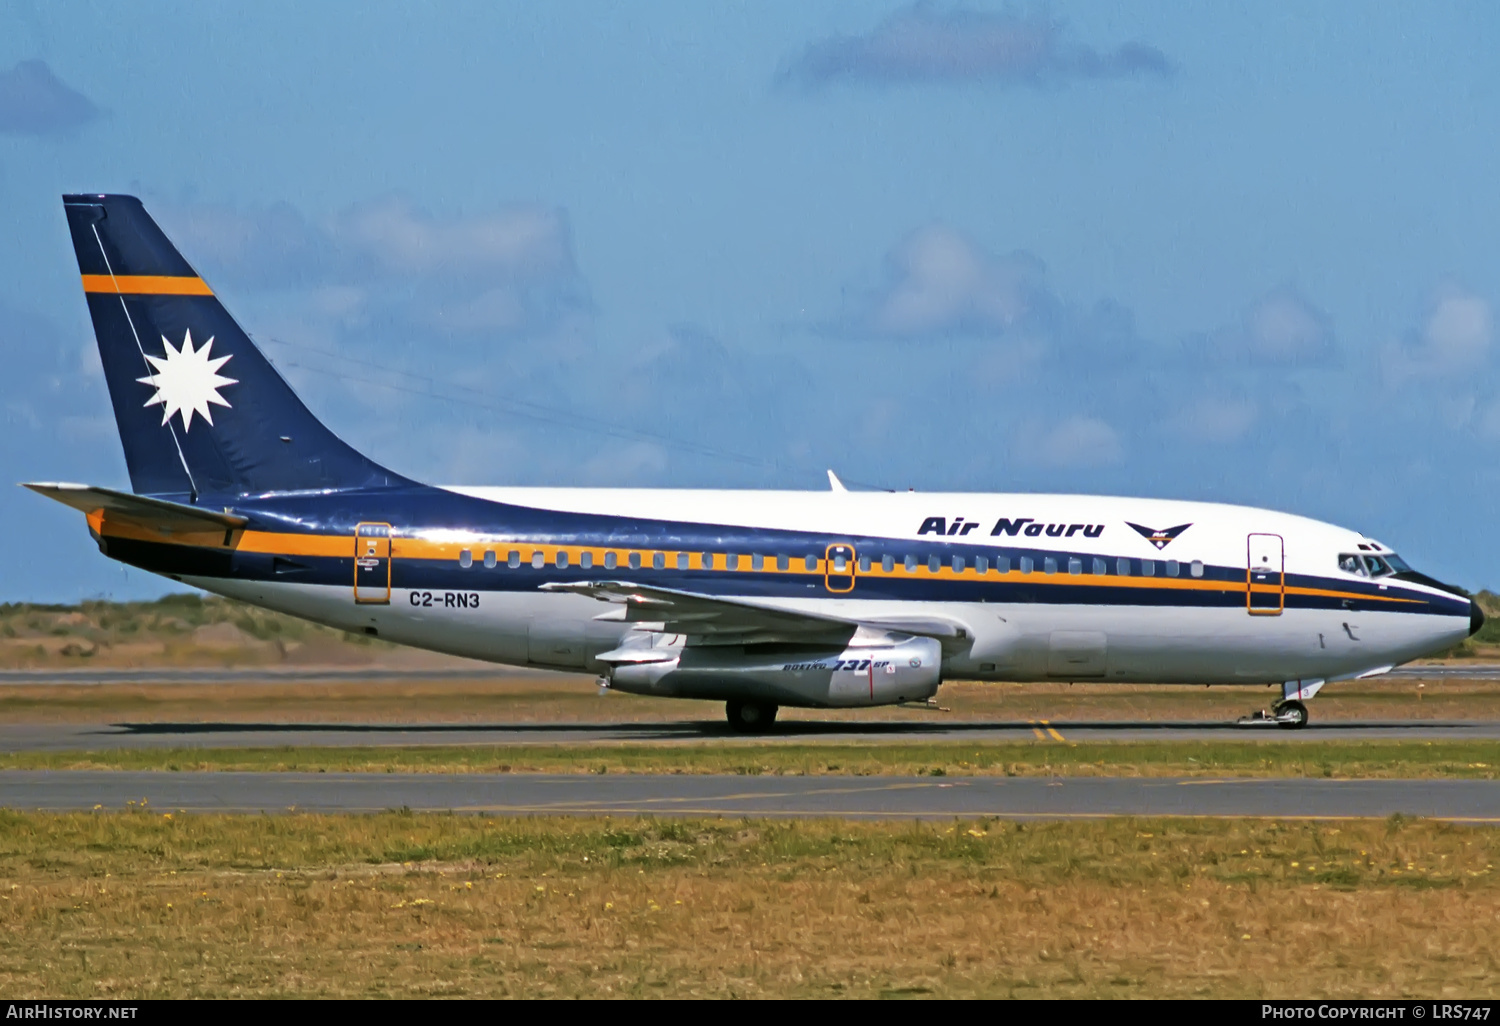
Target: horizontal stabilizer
{"x": 156, "y": 512}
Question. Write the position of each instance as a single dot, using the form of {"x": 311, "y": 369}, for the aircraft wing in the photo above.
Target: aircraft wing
{"x": 157, "y": 513}
{"x": 687, "y": 612}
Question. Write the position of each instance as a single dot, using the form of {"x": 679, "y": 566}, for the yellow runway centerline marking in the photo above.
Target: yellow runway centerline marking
{"x": 1055, "y": 735}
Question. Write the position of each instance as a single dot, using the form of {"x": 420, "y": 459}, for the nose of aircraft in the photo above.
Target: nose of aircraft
{"x": 1476, "y": 618}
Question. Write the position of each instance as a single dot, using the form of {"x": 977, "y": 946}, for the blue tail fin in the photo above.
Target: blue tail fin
{"x": 200, "y": 410}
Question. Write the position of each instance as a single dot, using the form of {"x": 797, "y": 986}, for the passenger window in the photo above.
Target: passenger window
{"x": 538, "y": 560}
{"x": 513, "y": 559}
{"x": 1002, "y": 564}
{"x": 1049, "y": 565}
{"x": 934, "y": 564}
{"x": 732, "y": 561}
{"x": 1148, "y": 568}
{"x": 489, "y": 559}
{"x": 610, "y": 561}
{"x": 1026, "y": 564}
{"x": 635, "y": 561}
{"x": 958, "y": 564}
{"x": 757, "y": 562}
{"x": 840, "y": 562}
{"x": 659, "y": 560}
{"x": 888, "y": 564}
{"x": 1173, "y": 568}
{"x": 682, "y": 560}
{"x": 562, "y": 560}
{"x": 1075, "y": 566}
{"x": 911, "y": 564}
{"x": 1122, "y": 567}
{"x": 1100, "y": 566}
{"x": 783, "y": 561}
{"x": 810, "y": 562}
{"x": 465, "y": 559}
{"x": 706, "y": 560}
{"x": 864, "y": 564}
{"x": 1196, "y": 568}
{"x": 586, "y": 560}
{"x": 981, "y": 564}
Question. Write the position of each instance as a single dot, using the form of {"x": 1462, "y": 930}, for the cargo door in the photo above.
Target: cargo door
{"x": 1074, "y": 655}
{"x": 1265, "y": 576}
{"x": 372, "y": 564}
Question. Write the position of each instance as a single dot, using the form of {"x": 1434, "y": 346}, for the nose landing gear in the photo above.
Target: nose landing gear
{"x": 1290, "y": 713}
{"x": 1287, "y": 715}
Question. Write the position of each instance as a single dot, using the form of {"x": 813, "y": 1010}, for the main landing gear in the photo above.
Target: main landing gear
{"x": 751, "y": 717}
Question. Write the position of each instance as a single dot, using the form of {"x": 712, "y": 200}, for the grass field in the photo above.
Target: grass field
{"x": 1345, "y": 760}
{"x": 559, "y": 698}
{"x": 150, "y": 905}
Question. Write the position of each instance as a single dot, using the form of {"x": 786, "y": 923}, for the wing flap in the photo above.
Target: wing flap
{"x": 686, "y": 612}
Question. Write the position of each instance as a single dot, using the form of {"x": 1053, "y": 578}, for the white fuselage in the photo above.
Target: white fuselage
{"x": 1122, "y": 640}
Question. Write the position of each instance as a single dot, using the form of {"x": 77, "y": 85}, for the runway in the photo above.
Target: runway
{"x": 1473, "y": 801}
{"x": 376, "y": 675}
{"x": 56, "y": 737}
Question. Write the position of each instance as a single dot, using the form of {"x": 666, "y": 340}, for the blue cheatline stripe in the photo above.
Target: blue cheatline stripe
{"x": 1040, "y": 589}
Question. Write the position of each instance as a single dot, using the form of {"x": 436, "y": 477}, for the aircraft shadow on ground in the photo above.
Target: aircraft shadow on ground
{"x": 679, "y": 729}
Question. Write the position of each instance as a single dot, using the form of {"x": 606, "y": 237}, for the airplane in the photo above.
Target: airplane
{"x": 758, "y": 599}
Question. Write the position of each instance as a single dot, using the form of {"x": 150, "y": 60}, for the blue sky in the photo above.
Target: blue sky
{"x": 1237, "y": 252}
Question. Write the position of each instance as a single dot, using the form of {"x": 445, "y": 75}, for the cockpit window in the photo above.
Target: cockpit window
{"x": 1367, "y": 565}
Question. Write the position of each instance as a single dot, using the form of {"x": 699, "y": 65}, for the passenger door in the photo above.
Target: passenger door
{"x": 1265, "y": 576}
{"x": 372, "y": 564}
{"x": 838, "y": 568}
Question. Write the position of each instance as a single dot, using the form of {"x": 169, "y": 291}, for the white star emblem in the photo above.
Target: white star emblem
{"x": 187, "y": 381}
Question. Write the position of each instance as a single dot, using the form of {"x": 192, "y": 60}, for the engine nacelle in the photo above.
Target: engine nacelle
{"x": 904, "y": 671}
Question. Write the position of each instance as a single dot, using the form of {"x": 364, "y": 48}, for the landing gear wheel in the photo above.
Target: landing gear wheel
{"x": 750, "y": 717}
{"x": 1291, "y": 715}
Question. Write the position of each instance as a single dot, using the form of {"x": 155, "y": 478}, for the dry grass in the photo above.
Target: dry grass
{"x": 1341, "y": 760}
{"x": 184, "y": 630}
{"x": 509, "y": 697}
{"x": 145, "y": 905}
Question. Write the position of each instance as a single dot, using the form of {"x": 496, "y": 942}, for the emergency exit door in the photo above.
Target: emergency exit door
{"x": 372, "y": 564}
{"x": 1265, "y": 575}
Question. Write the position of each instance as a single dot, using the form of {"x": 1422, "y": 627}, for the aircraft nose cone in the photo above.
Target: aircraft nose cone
{"x": 1476, "y": 618}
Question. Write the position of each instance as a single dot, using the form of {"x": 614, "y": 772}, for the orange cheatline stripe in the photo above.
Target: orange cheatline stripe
{"x": 342, "y": 545}
{"x": 145, "y": 285}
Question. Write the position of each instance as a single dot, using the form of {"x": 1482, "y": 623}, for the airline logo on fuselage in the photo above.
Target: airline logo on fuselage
{"x": 1020, "y": 526}
{"x": 1160, "y": 537}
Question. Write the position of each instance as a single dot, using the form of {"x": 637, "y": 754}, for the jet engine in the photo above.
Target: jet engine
{"x": 856, "y": 675}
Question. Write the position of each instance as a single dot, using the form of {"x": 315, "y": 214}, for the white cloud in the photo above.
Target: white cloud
{"x": 1284, "y": 328}
{"x": 521, "y": 240}
{"x": 923, "y": 43}
{"x": 939, "y": 282}
{"x": 1216, "y": 420}
{"x": 1455, "y": 340}
{"x": 508, "y": 270}
{"x": 1076, "y": 442}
